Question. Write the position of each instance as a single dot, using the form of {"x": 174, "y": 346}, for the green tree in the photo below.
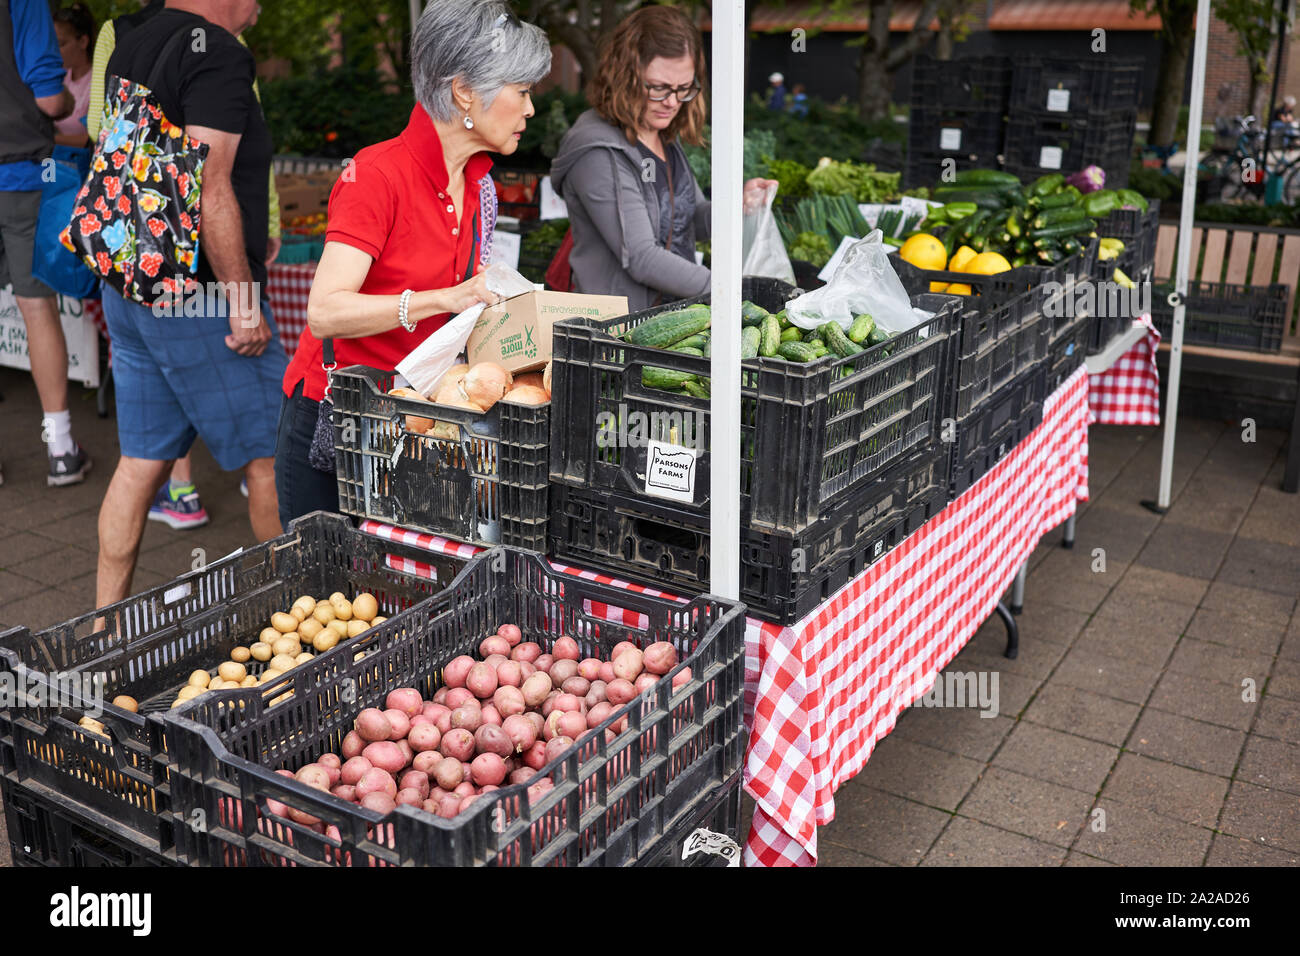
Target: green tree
{"x": 1253, "y": 22}
{"x": 955, "y": 20}
{"x": 1177, "y": 26}
{"x": 879, "y": 60}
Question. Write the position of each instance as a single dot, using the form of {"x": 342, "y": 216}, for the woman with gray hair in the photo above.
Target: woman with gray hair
{"x": 410, "y": 221}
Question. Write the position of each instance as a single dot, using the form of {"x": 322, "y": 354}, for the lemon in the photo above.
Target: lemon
{"x": 959, "y": 288}
{"x": 923, "y": 251}
{"x": 987, "y": 264}
{"x": 938, "y": 286}
{"x": 963, "y": 255}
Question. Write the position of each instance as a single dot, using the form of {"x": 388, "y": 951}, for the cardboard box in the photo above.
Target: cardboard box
{"x": 302, "y": 194}
{"x": 517, "y": 332}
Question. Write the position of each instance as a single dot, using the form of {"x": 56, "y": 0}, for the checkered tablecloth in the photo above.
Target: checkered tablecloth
{"x": 1128, "y": 393}
{"x": 288, "y": 288}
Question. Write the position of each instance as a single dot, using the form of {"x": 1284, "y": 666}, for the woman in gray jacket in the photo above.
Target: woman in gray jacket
{"x": 634, "y": 206}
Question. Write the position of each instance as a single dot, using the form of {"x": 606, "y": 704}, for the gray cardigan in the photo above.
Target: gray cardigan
{"x": 614, "y": 214}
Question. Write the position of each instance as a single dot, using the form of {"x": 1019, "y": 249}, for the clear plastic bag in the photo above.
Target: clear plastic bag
{"x": 864, "y": 282}
{"x": 764, "y": 252}
{"x": 425, "y": 366}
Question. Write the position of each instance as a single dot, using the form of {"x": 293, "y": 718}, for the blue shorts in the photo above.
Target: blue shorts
{"x": 175, "y": 379}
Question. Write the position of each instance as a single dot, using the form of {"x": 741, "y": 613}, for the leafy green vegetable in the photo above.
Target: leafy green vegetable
{"x": 812, "y": 247}
{"x": 857, "y": 180}
{"x": 759, "y": 150}
{"x": 792, "y": 176}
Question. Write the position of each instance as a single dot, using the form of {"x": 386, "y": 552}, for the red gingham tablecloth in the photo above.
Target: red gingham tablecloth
{"x": 1128, "y": 393}
{"x": 820, "y": 693}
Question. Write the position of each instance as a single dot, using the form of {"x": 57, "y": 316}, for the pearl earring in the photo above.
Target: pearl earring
{"x": 469, "y": 123}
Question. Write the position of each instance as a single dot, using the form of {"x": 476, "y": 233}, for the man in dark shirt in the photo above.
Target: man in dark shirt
{"x": 216, "y": 374}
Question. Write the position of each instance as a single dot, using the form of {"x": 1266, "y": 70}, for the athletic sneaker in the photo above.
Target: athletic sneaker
{"x": 69, "y": 469}
{"x": 178, "y": 508}
{"x": 243, "y": 487}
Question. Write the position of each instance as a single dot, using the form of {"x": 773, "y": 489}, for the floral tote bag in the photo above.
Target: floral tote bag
{"x": 135, "y": 223}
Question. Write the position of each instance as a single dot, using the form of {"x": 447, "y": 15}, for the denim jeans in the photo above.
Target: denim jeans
{"x": 301, "y": 488}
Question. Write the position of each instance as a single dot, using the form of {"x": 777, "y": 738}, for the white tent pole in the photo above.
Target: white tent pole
{"x": 416, "y": 8}
{"x": 1184, "y": 250}
{"x": 728, "y": 130}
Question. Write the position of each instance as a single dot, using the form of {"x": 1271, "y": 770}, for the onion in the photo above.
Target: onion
{"x": 413, "y": 423}
{"x": 546, "y": 378}
{"x": 528, "y": 395}
{"x": 486, "y": 384}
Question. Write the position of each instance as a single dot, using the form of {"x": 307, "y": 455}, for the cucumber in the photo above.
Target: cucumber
{"x": 1072, "y": 228}
{"x": 696, "y": 341}
{"x": 771, "y": 337}
{"x": 878, "y": 335}
{"x": 687, "y": 350}
{"x": 696, "y": 387}
{"x": 984, "y": 199}
{"x": 1055, "y": 217}
{"x": 665, "y": 378}
{"x": 1023, "y": 245}
{"x": 817, "y": 342}
{"x": 791, "y": 334}
{"x": 861, "y": 328}
{"x": 838, "y": 342}
{"x": 751, "y": 314}
{"x": 1048, "y": 242}
{"x": 970, "y": 227}
{"x": 749, "y": 338}
{"x": 1068, "y": 196}
{"x": 662, "y": 330}
{"x": 820, "y": 348}
{"x": 797, "y": 352}
{"x": 1050, "y": 256}
{"x": 986, "y": 177}
{"x": 1071, "y": 245}
{"x": 1046, "y": 185}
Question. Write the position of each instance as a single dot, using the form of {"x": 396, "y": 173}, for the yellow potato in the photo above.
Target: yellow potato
{"x": 248, "y": 681}
{"x": 337, "y": 596}
{"x": 126, "y": 702}
{"x": 240, "y": 655}
{"x": 288, "y": 644}
{"x": 232, "y": 671}
{"x": 91, "y": 724}
{"x": 303, "y": 658}
{"x": 268, "y": 635}
{"x": 217, "y": 684}
{"x": 357, "y": 627}
{"x": 189, "y": 692}
{"x": 282, "y": 698}
{"x": 262, "y": 651}
{"x": 309, "y": 629}
{"x": 200, "y": 679}
{"x": 340, "y": 628}
{"x": 325, "y": 640}
{"x": 324, "y": 612}
{"x": 176, "y": 703}
{"x": 357, "y": 656}
{"x": 283, "y": 662}
{"x": 284, "y": 623}
{"x": 375, "y": 622}
{"x": 365, "y": 607}
{"x": 342, "y": 609}
{"x": 270, "y": 674}
{"x": 306, "y": 602}
{"x": 298, "y": 613}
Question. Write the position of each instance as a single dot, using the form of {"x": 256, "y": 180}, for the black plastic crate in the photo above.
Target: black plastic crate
{"x": 924, "y": 166}
{"x": 962, "y": 82}
{"x": 1069, "y": 86}
{"x": 45, "y": 831}
{"x": 1068, "y": 351}
{"x": 1005, "y": 299}
{"x": 1113, "y": 309}
{"x": 956, "y": 132}
{"x": 981, "y": 439}
{"x": 483, "y": 482}
{"x": 783, "y": 576}
{"x": 810, "y": 433}
{"x": 1138, "y": 231}
{"x": 614, "y": 803}
{"x": 719, "y": 813}
{"x": 1247, "y": 317}
{"x": 1039, "y": 143}
{"x": 151, "y": 643}
{"x": 981, "y": 375}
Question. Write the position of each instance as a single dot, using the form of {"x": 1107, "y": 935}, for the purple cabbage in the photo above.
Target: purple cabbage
{"x": 1088, "y": 179}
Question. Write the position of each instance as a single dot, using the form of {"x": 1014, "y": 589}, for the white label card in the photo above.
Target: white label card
{"x": 714, "y": 844}
{"x": 1050, "y": 157}
{"x": 670, "y": 471}
{"x": 1058, "y": 101}
{"x": 505, "y": 248}
{"x": 950, "y": 139}
{"x": 551, "y": 206}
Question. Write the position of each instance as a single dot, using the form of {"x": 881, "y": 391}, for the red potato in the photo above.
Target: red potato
{"x": 508, "y": 701}
{"x": 520, "y": 730}
{"x": 432, "y": 710}
{"x": 620, "y": 691}
{"x": 345, "y": 791}
{"x": 443, "y": 722}
{"x": 492, "y": 739}
{"x": 683, "y": 676}
{"x": 571, "y": 724}
{"x": 596, "y": 693}
{"x": 606, "y": 671}
{"x": 385, "y": 755}
{"x": 568, "y": 702}
{"x": 548, "y": 705}
{"x": 409, "y": 797}
{"x": 449, "y": 806}
{"x": 373, "y": 726}
{"x": 495, "y": 660}
{"x": 431, "y": 805}
{"x": 464, "y": 769}
{"x": 491, "y": 715}
{"x": 589, "y": 667}
{"x": 620, "y": 647}
{"x": 487, "y": 789}
{"x": 440, "y": 695}
{"x": 465, "y": 788}
{"x": 419, "y": 719}
{"x": 494, "y": 645}
{"x": 599, "y": 714}
{"x": 539, "y": 787}
{"x": 352, "y": 745}
{"x": 552, "y": 728}
{"x": 488, "y": 769}
{"x": 405, "y": 699}
{"x": 562, "y": 670}
{"x": 556, "y": 746}
{"x": 303, "y": 817}
{"x": 526, "y": 670}
{"x": 511, "y": 633}
{"x": 536, "y": 688}
{"x": 537, "y": 719}
{"x": 425, "y": 761}
{"x": 644, "y": 682}
{"x": 578, "y": 686}
{"x": 454, "y": 674}
{"x": 544, "y": 662}
{"x": 566, "y": 649}
{"x": 449, "y": 773}
{"x": 468, "y": 718}
{"x": 457, "y": 696}
{"x": 314, "y": 775}
{"x": 400, "y": 723}
{"x": 425, "y": 736}
{"x": 610, "y": 735}
{"x": 458, "y": 744}
{"x": 407, "y": 753}
{"x": 660, "y": 658}
{"x": 481, "y": 680}
{"x": 329, "y": 760}
{"x": 535, "y": 756}
{"x": 509, "y": 674}
{"x": 376, "y": 781}
{"x": 526, "y": 651}
{"x": 414, "y": 780}
{"x": 354, "y": 769}
{"x": 629, "y": 664}
{"x": 466, "y": 802}
{"x": 379, "y": 802}
{"x": 522, "y": 775}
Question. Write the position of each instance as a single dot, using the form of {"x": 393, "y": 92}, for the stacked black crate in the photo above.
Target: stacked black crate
{"x": 1067, "y": 114}
{"x": 958, "y": 113}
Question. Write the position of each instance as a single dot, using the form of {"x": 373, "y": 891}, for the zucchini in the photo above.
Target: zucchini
{"x": 771, "y": 337}
{"x": 1069, "y": 196}
{"x": 984, "y": 199}
{"x": 1072, "y": 228}
{"x": 1050, "y": 256}
{"x": 1021, "y": 260}
{"x": 662, "y": 330}
{"x": 838, "y": 342}
{"x": 665, "y": 378}
{"x": 1055, "y": 217}
{"x": 1071, "y": 245}
{"x": 749, "y": 338}
{"x": 986, "y": 177}
{"x": 696, "y": 341}
{"x": 696, "y": 387}
{"x": 1048, "y": 242}
{"x": 861, "y": 328}
{"x": 1013, "y": 225}
{"x": 792, "y": 334}
{"x": 969, "y": 227}
{"x": 1023, "y": 245}
{"x": 751, "y": 314}
{"x": 797, "y": 352}
{"x": 1046, "y": 185}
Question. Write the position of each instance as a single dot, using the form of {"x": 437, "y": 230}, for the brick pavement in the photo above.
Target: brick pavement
{"x": 1122, "y": 736}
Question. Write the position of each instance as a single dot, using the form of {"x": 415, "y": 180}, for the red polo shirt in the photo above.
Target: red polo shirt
{"x": 392, "y": 204}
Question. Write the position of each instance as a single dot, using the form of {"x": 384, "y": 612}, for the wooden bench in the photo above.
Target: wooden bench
{"x": 1245, "y": 255}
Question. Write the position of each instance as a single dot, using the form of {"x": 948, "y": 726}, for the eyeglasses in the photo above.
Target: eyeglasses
{"x": 661, "y": 91}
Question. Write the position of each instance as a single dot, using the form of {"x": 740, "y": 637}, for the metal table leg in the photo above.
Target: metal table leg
{"x": 1068, "y": 540}
{"x": 1013, "y": 631}
{"x": 1018, "y": 589}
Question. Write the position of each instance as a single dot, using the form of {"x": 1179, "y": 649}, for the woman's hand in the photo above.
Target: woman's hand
{"x": 754, "y": 193}
{"x": 471, "y": 292}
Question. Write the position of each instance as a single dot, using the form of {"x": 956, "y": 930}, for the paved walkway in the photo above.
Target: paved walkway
{"x": 1127, "y": 697}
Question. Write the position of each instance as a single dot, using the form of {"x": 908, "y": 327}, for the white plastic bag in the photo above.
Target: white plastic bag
{"x": 865, "y": 281}
{"x": 430, "y": 360}
{"x": 764, "y": 252}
